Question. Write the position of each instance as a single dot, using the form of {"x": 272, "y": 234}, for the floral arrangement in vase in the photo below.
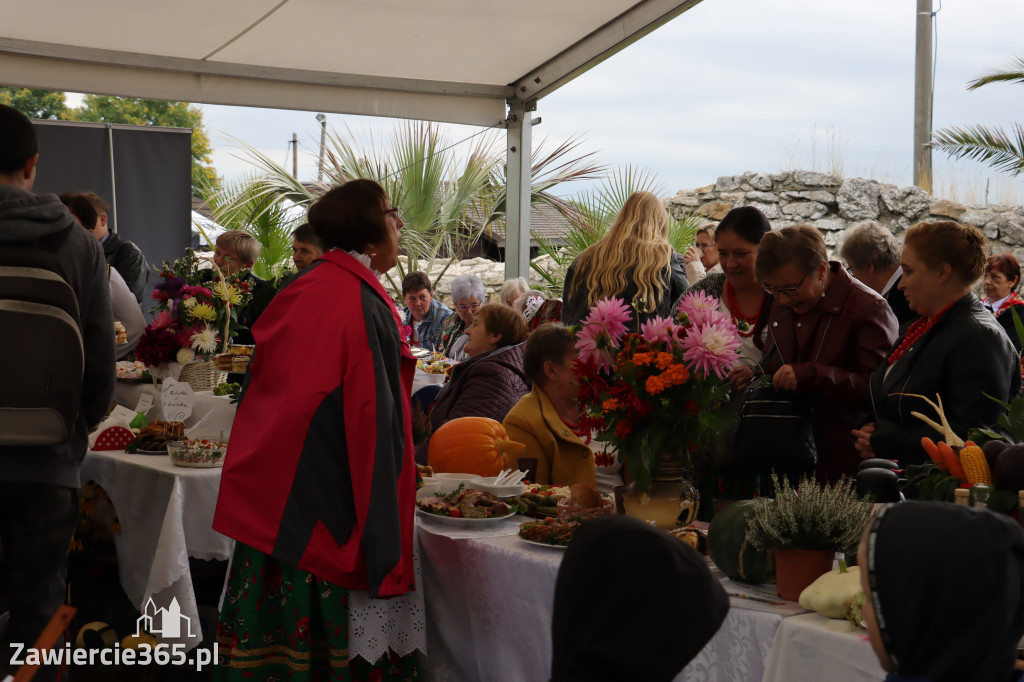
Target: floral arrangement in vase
{"x": 196, "y": 314}
{"x": 654, "y": 394}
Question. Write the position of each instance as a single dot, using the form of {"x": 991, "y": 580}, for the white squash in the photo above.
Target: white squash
{"x": 831, "y": 594}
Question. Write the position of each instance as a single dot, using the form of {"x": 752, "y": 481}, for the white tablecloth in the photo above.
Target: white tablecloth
{"x": 211, "y": 414}
{"x": 489, "y": 605}
{"x": 805, "y": 649}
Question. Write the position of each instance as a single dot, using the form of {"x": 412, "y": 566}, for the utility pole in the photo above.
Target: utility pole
{"x": 923, "y": 97}
{"x": 295, "y": 156}
{"x": 323, "y": 135}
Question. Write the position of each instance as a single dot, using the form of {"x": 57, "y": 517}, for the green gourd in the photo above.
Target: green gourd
{"x": 729, "y": 549}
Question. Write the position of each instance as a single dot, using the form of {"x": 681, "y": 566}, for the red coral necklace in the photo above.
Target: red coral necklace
{"x": 914, "y": 332}
{"x": 734, "y": 309}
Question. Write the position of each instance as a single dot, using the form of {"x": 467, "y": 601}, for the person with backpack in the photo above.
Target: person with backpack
{"x": 56, "y": 379}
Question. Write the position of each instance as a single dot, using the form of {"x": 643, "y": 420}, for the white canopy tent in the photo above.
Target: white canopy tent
{"x": 477, "y": 62}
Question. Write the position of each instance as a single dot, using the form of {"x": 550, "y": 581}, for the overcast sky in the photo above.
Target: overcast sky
{"x": 738, "y": 85}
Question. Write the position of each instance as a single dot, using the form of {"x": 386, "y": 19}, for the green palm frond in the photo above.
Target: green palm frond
{"x": 992, "y": 146}
{"x": 1014, "y": 73}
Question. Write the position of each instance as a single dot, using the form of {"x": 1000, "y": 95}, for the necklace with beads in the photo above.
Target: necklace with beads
{"x": 734, "y": 309}
{"x": 914, "y": 332}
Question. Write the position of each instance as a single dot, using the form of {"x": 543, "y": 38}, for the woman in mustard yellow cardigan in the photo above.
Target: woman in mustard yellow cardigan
{"x": 541, "y": 419}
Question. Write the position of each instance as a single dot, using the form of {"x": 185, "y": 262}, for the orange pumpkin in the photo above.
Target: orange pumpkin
{"x": 472, "y": 445}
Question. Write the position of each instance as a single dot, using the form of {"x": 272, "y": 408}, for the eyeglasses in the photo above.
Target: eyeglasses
{"x": 472, "y": 306}
{"x": 788, "y": 291}
{"x": 704, "y": 246}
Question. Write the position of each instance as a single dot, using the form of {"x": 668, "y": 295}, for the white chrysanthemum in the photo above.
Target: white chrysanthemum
{"x": 185, "y": 356}
{"x": 205, "y": 341}
{"x": 189, "y": 301}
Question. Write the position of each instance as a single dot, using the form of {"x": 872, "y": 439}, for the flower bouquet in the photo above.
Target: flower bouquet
{"x": 196, "y": 312}
{"x": 655, "y": 395}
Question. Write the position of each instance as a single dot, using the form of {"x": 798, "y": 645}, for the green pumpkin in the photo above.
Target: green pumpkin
{"x": 729, "y": 549}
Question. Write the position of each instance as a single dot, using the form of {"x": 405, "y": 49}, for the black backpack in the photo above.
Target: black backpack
{"x": 42, "y": 358}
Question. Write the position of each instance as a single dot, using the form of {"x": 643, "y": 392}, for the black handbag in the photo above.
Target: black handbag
{"x": 775, "y": 431}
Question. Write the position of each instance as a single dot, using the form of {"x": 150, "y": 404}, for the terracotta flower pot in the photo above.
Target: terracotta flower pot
{"x": 795, "y": 569}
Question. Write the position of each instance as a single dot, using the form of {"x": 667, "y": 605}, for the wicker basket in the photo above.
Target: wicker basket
{"x": 202, "y": 376}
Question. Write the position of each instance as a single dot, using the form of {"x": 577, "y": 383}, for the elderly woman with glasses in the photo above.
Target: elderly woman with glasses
{"x": 826, "y": 334}
{"x": 468, "y": 295}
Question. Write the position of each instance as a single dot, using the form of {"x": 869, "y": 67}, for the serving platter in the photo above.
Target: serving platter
{"x": 462, "y": 523}
{"x": 151, "y": 452}
{"x": 542, "y": 544}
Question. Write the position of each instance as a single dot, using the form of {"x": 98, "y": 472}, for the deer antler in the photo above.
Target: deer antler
{"x": 944, "y": 428}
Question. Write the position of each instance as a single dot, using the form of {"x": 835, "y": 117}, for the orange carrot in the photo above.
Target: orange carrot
{"x": 933, "y": 452}
{"x": 952, "y": 461}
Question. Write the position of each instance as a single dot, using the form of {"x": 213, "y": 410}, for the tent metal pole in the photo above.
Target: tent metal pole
{"x": 112, "y": 224}
{"x": 517, "y": 193}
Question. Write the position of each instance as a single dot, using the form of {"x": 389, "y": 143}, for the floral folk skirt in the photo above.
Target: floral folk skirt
{"x": 281, "y": 623}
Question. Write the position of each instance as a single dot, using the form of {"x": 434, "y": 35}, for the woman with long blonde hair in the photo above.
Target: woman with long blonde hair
{"x": 633, "y": 261}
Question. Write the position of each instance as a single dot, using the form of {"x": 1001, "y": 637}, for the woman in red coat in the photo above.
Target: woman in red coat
{"x": 319, "y": 482}
{"x": 826, "y": 334}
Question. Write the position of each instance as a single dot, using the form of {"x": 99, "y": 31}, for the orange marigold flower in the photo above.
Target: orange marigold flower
{"x": 641, "y": 359}
{"x": 676, "y": 375}
{"x": 663, "y": 361}
{"x": 655, "y": 384}
{"x": 611, "y": 404}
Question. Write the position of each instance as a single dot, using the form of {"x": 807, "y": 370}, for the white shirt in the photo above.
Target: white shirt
{"x": 994, "y": 305}
{"x": 892, "y": 280}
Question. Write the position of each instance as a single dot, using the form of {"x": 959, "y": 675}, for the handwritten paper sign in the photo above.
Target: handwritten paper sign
{"x": 145, "y": 402}
{"x": 176, "y": 399}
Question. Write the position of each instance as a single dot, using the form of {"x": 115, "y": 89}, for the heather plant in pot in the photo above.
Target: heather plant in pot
{"x": 806, "y": 526}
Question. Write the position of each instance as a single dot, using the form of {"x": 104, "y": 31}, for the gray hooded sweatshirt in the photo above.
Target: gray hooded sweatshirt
{"x": 25, "y": 216}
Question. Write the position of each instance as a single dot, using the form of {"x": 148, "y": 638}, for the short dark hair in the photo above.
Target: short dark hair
{"x": 802, "y": 245}
{"x": 350, "y": 216}
{"x": 18, "y": 140}
{"x": 416, "y": 281}
{"x": 80, "y": 207}
{"x": 304, "y": 233}
{"x": 746, "y": 221}
{"x": 1005, "y": 263}
{"x": 97, "y": 202}
{"x": 498, "y": 318}
{"x": 549, "y": 342}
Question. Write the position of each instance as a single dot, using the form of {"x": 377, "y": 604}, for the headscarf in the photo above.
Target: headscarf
{"x": 631, "y": 603}
{"x": 947, "y": 586}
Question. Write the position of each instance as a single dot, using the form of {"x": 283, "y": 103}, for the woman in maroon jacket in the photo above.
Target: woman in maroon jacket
{"x": 492, "y": 381}
{"x": 830, "y": 332}
{"x": 319, "y": 483}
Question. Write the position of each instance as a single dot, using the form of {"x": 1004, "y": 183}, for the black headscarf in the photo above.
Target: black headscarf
{"x": 947, "y": 585}
{"x": 631, "y": 603}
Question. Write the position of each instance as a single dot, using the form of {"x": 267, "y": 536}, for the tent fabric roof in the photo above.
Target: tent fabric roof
{"x": 445, "y": 60}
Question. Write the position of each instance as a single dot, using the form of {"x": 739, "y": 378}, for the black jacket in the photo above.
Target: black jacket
{"x": 898, "y": 304}
{"x": 964, "y": 356}
{"x": 575, "y": 308}
{"x": 129, "y": 262}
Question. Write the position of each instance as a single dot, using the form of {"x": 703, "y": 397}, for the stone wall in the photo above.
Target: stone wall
{"x": 831, "y": 204}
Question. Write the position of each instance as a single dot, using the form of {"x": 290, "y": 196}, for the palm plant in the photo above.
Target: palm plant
{"x": 246, "y": 205}
{"x": 1002, "y": 150}
{"x": 592, "y": 213}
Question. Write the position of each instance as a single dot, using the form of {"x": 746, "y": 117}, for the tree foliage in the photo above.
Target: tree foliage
{"x": 995, "y": 147}
{"x": 43, "y": 104}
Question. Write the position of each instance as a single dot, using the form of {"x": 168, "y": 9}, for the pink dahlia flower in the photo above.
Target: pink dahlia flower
{"x": 697, "y": 307}
{"x": 659, "y": 329}
{"x": 712, "y": 348}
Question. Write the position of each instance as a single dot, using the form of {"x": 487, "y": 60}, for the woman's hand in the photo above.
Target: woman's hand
{"x": 784, "y": 379}
{"x": 692, "y": 255}
{"x": 740, "y": 376}
{"x": 863, "y": 440}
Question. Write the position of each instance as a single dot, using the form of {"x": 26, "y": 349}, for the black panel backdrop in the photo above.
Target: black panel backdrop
{"x": 152, "y": 205}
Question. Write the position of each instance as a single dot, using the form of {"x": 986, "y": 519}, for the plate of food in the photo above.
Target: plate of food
{"x": 140, "y": 451}
{"x": 464, "y": 507}
{"x": 548, "y": 534}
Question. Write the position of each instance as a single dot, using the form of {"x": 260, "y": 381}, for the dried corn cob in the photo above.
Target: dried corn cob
{"x": 975, "y": 465}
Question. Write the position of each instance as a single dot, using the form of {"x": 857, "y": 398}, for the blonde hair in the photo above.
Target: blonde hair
{"x": 636, "y": 243}
{"x": 241, "y": 242}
